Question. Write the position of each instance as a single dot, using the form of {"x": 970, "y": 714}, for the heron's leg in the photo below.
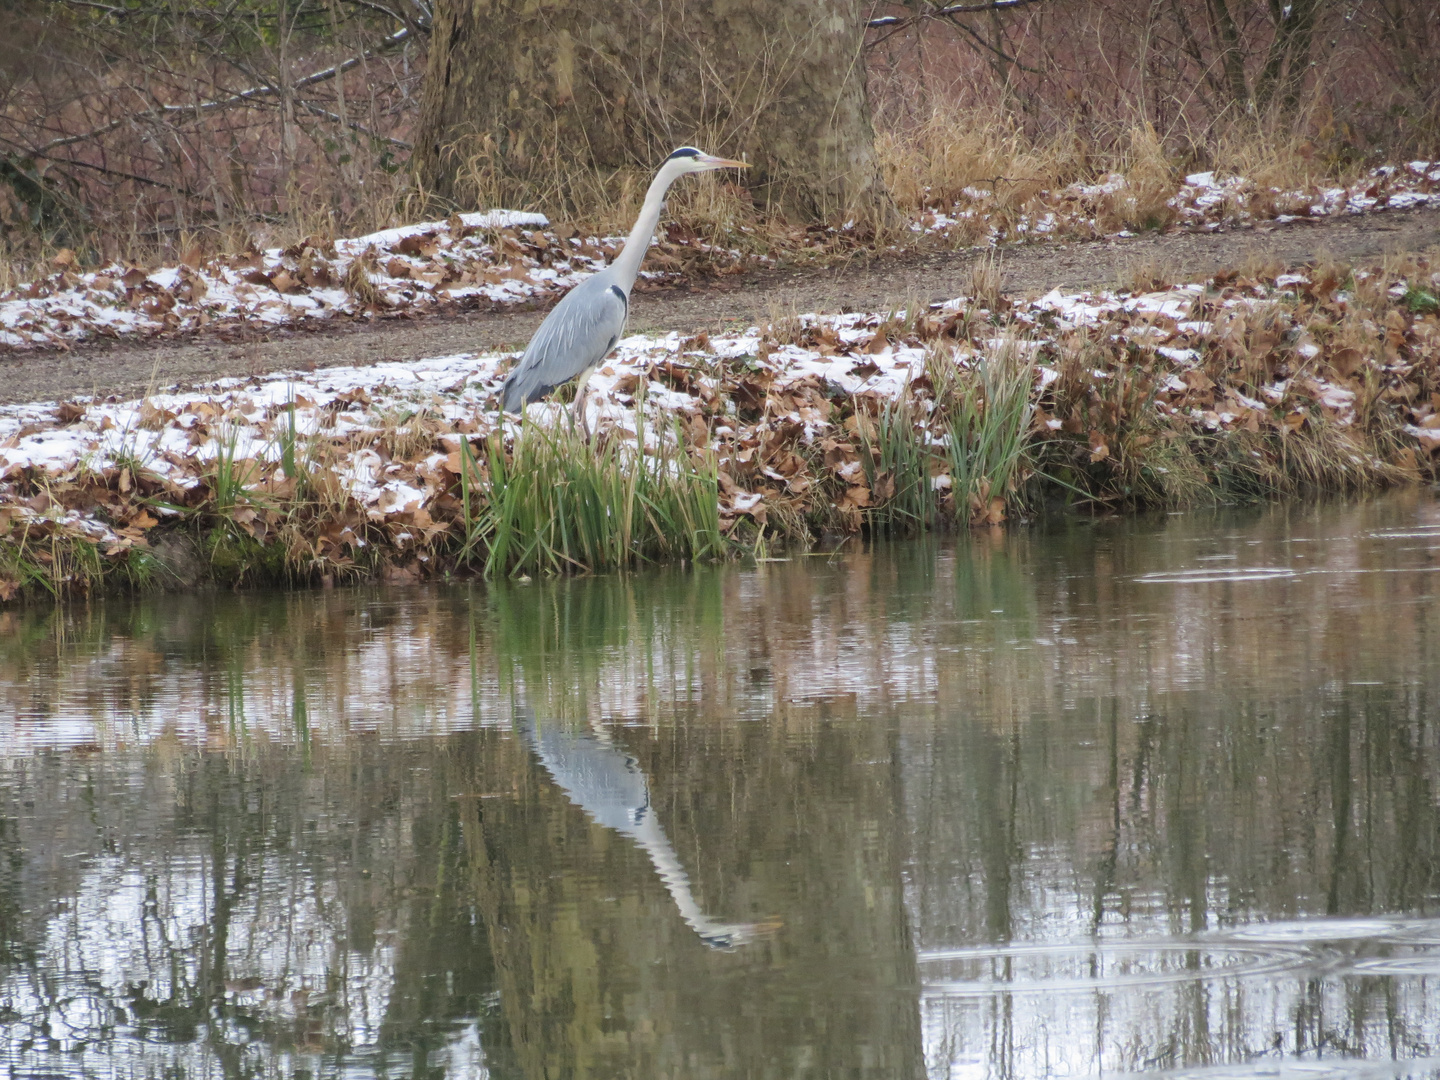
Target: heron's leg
{"x": 577, "y": 407}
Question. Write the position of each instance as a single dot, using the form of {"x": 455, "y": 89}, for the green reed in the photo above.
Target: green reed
{"x": 557, "y": 503}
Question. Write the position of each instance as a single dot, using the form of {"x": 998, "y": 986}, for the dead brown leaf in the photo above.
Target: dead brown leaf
{"x": 152, "y": 417}
{"x": 421, "y": 244}
{"x": 860, "y": 426}
{"x": 1346, "y": 362}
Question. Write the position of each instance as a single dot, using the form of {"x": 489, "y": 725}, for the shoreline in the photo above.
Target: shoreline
{"x": 977, "y": 411}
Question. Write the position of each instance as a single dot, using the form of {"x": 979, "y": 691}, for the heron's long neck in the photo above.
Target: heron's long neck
{"x": 627, "y": 263}
{"x": 652, "y": 838}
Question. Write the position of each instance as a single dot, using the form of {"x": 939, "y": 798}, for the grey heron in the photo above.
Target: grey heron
{"x": 609, "y": 786}
{"x": 582, "y": 329}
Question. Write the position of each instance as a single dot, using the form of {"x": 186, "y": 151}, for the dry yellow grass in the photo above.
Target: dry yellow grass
{"x": 946, "y": 155}
{"x": 932, "y": 162}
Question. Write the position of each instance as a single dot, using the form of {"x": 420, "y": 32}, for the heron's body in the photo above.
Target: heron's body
{"x": 582, "y": 329}
{"x": 573, "y": 339}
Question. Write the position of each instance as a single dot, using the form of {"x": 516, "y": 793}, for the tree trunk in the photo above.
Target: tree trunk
{"x": 1289, "y": 55}
{"x": 1232, "y": 59}
{"x": 536, "y": 99}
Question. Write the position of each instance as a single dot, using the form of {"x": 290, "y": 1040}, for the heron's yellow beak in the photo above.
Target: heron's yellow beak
{"x": 722, "y": 163}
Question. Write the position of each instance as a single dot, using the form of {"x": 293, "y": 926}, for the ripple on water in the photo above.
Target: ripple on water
{"x": 1051, "y": 969}
{"x": 1414, "y": 532}
{"x": 1322, "y": 929}
{"x": 1216, "y": 573}
{"x": 1306, "y": 1068}
{"x": 1410, "y": 964}
{"x": 1411, "y": 947}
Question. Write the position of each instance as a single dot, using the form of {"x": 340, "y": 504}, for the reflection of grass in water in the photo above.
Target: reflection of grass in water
{"x": 556, "y": 640}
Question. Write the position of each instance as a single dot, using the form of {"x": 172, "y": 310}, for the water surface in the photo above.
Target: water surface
{"x": 1154, "y": 796}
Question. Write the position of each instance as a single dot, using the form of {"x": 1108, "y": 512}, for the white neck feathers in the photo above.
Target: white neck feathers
{"x": 627, "y": 264}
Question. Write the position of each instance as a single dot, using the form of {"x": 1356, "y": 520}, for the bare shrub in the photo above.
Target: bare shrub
{"x": 358, "y": 284}
{"x": 133, "y": 131}
{"x": 1283, "y": 93}
{"x": 145, "y": 129}
{"x": 983, "y": 279}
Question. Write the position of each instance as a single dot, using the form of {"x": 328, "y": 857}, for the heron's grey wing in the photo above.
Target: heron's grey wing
{"x": 575, "y": 337}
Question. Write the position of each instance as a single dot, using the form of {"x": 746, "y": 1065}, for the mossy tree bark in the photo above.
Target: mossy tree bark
{"x": 533, "y": 99}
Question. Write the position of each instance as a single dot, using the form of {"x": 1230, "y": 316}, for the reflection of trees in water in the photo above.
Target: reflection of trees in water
{"x": 225, "y": 914}
{"x": 1018, "y": 740}
{"x": 301, "y": 893}
{"x": 907, "y": 622}
{"x": 1197, "y": 818}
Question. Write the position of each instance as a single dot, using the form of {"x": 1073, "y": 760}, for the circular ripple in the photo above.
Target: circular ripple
{"x": 1300, "y": 1068}
{"x": 1421, "y": 932}
{"x": 1426, "y": 963}
{"x": 1419, "y": 532}
{"x": 1060, "y": 968}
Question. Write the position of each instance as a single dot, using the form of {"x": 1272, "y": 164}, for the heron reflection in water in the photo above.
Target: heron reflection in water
{"x": 608, "y": 784}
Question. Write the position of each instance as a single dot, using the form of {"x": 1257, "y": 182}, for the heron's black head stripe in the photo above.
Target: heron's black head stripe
{"x": 684, "y": 151}
{"x": 618, "y": 291}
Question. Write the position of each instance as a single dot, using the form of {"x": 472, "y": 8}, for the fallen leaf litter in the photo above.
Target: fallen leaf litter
{"x": 504, "y": 257}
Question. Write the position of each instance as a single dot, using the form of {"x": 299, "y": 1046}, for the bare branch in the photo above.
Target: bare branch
{"x": 420, "y": 24}
{"x": 243, "y": 97}
{"x": 316, "y": 110}
{"x": 65, "y": 163}
{"x": 985, "y": 46}
{"x": 949, "y": 10}
{"x": 109, "y": 9}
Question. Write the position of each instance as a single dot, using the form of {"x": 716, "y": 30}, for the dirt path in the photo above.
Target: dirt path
{"x": 129, "y": 368}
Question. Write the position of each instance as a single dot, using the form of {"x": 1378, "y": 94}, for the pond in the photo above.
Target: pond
{"x": 1155, "y": 795}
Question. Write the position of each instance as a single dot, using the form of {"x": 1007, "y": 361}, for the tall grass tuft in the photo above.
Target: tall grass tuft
{"x": 228, "y": 478}
{"x": 897, "y": 463}
{"x": 558, "y": 504}
{"x": 988, "y": 410}
{"x": 984, "y": 413}
{"x": 293, "y": 454}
